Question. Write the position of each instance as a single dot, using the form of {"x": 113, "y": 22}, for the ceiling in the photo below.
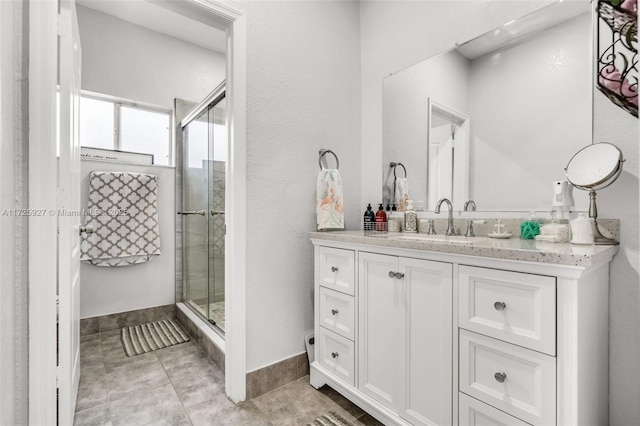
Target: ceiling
{"x": 157, "y": 18}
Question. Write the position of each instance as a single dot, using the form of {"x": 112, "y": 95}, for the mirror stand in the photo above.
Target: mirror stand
{"x": 598, "y": 238}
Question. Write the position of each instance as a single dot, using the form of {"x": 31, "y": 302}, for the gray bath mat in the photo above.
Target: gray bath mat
{"x": 330, "y": 419}
{"x": 148, "y": 337}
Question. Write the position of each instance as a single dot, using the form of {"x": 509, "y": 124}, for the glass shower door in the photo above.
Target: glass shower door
{"x": 203, "y": 211}
{"x": 195, "y": 226}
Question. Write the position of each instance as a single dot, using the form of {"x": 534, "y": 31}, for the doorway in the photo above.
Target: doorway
{"x": 43, "y": 66}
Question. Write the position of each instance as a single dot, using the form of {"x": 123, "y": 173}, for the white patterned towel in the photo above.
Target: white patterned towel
{"x": 123, "y": 211}
{"x": 402, "y": 193}
{"x": 329, "y": 205}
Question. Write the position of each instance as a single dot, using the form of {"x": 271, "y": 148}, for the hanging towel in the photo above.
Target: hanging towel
{"x": 402, "y": 194}
{"x": 329, "y": 205}
{"x": 123, "y": 211}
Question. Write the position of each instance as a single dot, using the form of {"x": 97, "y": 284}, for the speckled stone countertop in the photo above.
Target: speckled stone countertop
{"x": 512, "y": 248}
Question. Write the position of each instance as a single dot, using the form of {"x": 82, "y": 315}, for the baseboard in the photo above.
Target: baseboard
{"x": 275, "y": 375}
{"x": 110, "y": 322}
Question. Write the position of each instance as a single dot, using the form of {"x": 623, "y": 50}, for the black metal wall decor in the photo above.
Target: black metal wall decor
{"x": 618, "y": 52}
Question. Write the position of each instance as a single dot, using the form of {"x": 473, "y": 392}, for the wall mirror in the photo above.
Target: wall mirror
{"x": 494, "y": 119}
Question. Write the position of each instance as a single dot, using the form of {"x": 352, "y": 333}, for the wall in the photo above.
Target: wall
{"x": 621, "y": 200}
{"x": 14, "y": 151}
{"x": 111, "y": 290}
{"x": 384, "y": 27}
{"x": 129, "y": 61}
{"x": 303, "y": 94}
{"x": 126, "y": 60}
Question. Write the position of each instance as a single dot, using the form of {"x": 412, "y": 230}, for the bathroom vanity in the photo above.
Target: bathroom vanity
{"x": 428, "y": 330}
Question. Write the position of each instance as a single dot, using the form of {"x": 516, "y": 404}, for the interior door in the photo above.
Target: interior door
{"x": 68, "y": 204}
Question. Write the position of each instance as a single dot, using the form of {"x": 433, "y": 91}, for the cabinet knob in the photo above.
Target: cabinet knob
{"x": 500, "y": 377}
{"x": 334, "y": 269}
{"x": 334, "y": 354}
{"x": 399, "y": 275}
{"x": 499, "y": 306}
{"x": 392, "y": 274}
{"x": 334, "y": 312}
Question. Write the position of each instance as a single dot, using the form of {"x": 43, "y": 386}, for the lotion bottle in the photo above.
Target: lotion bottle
{"x": 381, "y": 219}
{"x": 410, "y": 218}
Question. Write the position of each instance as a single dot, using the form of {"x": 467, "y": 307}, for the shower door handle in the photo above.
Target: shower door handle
{"x": 187, "y": 212}
{"x": 216, "y": 212}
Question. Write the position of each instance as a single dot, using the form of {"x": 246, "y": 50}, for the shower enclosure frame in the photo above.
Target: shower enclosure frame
{"x": 206, "y": 106}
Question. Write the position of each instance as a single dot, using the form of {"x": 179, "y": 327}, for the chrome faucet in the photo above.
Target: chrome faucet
{"x": 470, "y": 205}
{"x": 450, "y": 228}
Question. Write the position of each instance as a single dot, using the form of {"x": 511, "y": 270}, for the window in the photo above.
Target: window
{"x": 116, "y": 124}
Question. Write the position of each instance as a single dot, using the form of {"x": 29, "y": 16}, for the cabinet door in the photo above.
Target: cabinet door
{"x": 428, "y": 341}
{"x": 380, "y": 337}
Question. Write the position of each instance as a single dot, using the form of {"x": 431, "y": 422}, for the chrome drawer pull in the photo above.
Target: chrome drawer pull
{"x": 334, "y": 312}
{"x": 399, "y": 275}
{"x": 334, "y": 269}
{"x": 392, "y": 274}
{"x": 500, "y": 377}
{"x": 334, "y": 354}
{"x": 500, "y": 306}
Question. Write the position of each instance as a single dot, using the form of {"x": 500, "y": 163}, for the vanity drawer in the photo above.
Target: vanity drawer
{"x": 472, "y": 412}
{"x": 337, "y": 312}
{"x": 337, "y": 355}
{"x": 510, "y": 306}
{"x": 519, "y": 381}
{"x": 335, "y": 269}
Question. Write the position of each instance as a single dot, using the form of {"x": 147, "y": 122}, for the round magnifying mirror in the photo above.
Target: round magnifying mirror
{"x": 594, "y": 167}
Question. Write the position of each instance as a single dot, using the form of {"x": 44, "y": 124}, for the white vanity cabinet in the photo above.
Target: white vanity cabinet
{"x": 405, "y": 336}
{"x": 426, "y": 334}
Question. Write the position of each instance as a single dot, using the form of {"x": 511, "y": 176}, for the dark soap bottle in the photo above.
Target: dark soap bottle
{"x": 369, "y": 219}
{"x": 381, "y": 219}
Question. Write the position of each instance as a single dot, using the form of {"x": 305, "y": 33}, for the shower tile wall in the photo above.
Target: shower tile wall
{"x": 196, "y": 260}
{"x": 182, "y": 108}
{"x": 217, "y": 231}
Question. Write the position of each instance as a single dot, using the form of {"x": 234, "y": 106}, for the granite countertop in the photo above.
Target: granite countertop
{"x": 511, "y": 249}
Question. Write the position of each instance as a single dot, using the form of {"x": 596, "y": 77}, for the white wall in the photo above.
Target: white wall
{"x": 384, "y": 28}
{"x": 14, "y": 127}
{"x": 620, "y": 200}
{"x": 303, "y": 94}
{"x": 529, "y": 115}
{"x": 405, "y": 113}
{"x": 110, "y": 290}
{"x": 129, "y": 61}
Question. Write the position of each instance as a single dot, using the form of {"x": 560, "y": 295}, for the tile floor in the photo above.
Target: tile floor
{"x": 179, "y": 385}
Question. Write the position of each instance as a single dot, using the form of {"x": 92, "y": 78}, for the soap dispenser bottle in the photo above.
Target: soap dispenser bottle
{"x": 410, "y": 218}
{"x": 369, "y": 218}
{"x": 381, "y": 219}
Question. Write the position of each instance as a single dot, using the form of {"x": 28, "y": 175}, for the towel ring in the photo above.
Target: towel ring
{"x": 394, "y": 165}
{"x": 323, "y": 152}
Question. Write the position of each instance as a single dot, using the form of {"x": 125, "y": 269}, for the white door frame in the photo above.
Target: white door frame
{"x": 43, "y": 60}
{"x": 43, "y": 19}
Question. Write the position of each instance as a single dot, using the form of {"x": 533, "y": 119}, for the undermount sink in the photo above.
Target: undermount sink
{"x": 446, "y": 239}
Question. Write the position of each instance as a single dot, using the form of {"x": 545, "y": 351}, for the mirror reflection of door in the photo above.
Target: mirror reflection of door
{"x": 448, "y": 155}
